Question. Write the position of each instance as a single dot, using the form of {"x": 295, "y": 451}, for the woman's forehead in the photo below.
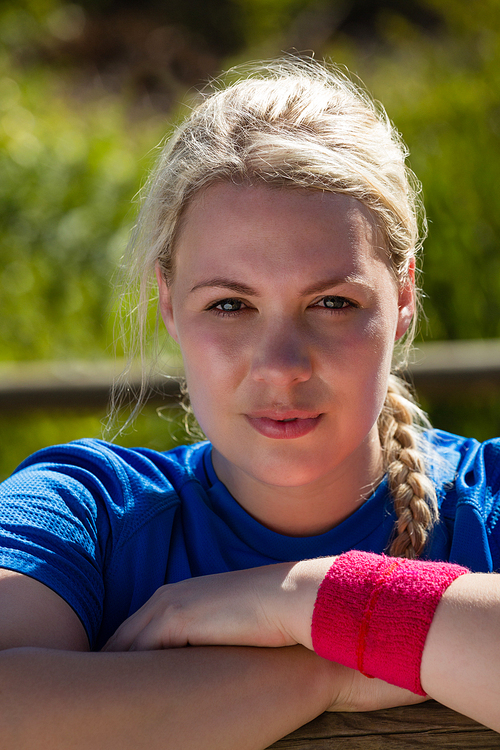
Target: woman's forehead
{"x": 253, "y": 215}
{"x": 258, "y": 227}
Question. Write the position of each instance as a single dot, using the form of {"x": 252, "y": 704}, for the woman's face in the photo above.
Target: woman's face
{"x": 286, "y": 312}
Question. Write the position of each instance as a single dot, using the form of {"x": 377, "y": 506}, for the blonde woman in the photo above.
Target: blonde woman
{"x": 282, "y": 228}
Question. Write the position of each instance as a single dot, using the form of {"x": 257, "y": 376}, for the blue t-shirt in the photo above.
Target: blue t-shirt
{"x": 105, "y": 526}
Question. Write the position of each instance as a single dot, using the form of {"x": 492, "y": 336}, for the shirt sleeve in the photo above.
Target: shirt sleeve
{"x": 54, "y": 528}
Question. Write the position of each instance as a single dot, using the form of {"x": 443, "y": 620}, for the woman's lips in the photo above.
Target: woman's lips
{"x": 285, "y": 426}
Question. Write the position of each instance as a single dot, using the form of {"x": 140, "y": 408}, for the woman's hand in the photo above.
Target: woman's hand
{"x": 265, "y": 606}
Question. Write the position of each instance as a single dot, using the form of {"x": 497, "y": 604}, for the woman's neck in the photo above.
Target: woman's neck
{"x": 313, "y": 508}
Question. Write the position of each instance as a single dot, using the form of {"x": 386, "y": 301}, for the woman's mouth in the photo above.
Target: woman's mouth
{"x": 284, "y": 426}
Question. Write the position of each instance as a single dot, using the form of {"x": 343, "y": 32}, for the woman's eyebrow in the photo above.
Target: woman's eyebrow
{"x": 322, "y": 286}
{"x": 234, "y": 286}
{"x": 239, "y": 287}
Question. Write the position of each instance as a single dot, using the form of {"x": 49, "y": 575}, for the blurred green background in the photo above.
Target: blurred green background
{"x": 88, "y": 89}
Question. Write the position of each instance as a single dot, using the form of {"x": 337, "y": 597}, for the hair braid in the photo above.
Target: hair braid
{"x": 412, "y": 490}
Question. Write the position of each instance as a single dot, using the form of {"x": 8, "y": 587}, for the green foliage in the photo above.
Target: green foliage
{"x": 445, "y": 99}
{"x": 69, "y": 171}
{"x": 21, "y": 435}
{"x": 268, "y": 19}
{"x": 474, "y": 414}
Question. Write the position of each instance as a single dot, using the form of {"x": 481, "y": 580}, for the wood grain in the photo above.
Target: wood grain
{"x": 428, "y": 725}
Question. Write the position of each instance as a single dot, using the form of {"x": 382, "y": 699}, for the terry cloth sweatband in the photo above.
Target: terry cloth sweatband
{"x": 373, "y": 613}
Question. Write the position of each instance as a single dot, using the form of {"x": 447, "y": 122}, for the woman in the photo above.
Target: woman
{"x": 282, "y": 226}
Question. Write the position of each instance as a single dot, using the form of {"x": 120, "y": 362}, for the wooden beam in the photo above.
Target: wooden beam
{"x": 426, "y": 725}
{"x": 77, "y": 384}
{"x": 438, "y": 369}
{"x": 441, "y": 368}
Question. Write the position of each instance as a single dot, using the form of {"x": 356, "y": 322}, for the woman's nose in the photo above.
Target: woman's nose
{"x": 282, "y": 356}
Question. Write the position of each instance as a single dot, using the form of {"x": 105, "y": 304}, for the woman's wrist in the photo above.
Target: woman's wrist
{"x": 373, "y": 613}
{"x": 302, "y": 583}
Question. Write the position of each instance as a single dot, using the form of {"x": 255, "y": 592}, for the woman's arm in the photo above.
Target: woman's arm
{"x": 274, "y": 606}
{"x": 219, "y": 698}
{"x": 31, "y": 614}
{"x": 461, "y": 659}
{"x": 53, "y": 697}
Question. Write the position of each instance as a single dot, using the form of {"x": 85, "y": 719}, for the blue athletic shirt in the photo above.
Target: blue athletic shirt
{"x": 105, "y": 526}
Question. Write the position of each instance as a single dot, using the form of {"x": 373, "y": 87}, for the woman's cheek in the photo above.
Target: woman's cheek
{"x": 213, "y": 360}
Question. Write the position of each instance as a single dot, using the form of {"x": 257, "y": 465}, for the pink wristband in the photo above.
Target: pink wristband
{"x": 373, "y": 613}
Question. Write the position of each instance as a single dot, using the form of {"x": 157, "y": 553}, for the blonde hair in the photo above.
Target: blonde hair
{"x": 296, "y": 123}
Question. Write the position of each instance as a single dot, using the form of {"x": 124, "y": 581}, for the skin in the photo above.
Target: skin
{"x": 264, "y": 255}
{"x": 54, "y": 695}
{"x": 53, "y": 692}
{"x": 276, "y": 259}
{"x": 273, "y": 605}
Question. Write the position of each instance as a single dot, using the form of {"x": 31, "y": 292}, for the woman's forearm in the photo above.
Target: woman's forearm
{"x": 461, "y": 659}
{"x": 457, "y": 660}
{"x": 209, "y": 697}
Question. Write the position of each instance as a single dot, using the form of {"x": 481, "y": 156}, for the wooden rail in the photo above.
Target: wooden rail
{"x": 77, "y": 384}
{"x": 439, "y": 368}
{"x": 426, "y": 725}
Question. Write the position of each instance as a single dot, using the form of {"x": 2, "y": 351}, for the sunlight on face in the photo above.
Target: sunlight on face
{"x": 286, "y": 312}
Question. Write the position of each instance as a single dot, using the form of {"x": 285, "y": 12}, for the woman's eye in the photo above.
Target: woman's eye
{"x": 334, "y": 303}
{"x": 229, "y": 305}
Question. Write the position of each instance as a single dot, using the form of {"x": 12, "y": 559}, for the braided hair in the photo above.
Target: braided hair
{"x": 412, "y": 490}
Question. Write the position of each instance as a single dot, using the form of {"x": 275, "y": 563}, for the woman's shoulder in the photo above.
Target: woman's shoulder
{"x": 100, "y": 458}
{"x": 466, "y": 473}
{"x": 74, "y": 514}
{"x": 97, "y": 474}
{"x": 453, "y": 456}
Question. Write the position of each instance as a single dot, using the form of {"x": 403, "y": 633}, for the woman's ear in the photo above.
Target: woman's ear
{"x": 406, "y": 301}
{"x": 165, "y": 302}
